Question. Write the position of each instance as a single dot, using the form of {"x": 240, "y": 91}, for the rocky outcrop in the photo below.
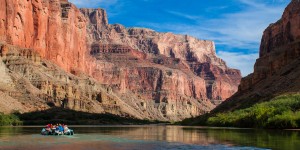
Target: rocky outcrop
{"x": 7, "y": 104}
{"x": 149, "y": 74}
{"x": 277, "y": 69}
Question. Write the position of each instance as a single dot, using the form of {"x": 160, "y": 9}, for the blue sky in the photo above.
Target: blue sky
{"x": 236, "y": 26}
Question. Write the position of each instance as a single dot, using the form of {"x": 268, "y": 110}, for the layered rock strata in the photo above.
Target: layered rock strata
{"x": 38, "y": 84}
{"x": 30, "y": 83}
{"x": 153, "y": 75}
{"x": 190, "y": 55}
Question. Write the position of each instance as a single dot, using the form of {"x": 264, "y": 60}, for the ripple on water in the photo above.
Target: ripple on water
{"x": 96, "y": 141}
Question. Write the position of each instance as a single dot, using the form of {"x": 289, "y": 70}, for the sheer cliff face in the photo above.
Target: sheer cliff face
{"x": 277, "y": 69}
{"x": 56, "y": 29}
{"x": 157, "y": 75}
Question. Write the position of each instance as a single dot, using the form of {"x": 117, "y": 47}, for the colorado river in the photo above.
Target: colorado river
{"x": 149, "y": 138}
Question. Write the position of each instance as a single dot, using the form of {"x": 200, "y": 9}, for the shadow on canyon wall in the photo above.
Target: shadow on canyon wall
{"x": 66, "y": 116}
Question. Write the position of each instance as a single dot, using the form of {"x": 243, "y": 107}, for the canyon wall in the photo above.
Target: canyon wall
{"x": 189, "y": 55}
{"x": 153, "y": 75}
{"x": 277, "y": 69}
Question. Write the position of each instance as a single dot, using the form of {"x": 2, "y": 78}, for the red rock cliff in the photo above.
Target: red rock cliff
{"x": 197, "y": 56}
{"x": 54, "y": 28}
{"x": 163, "y": 75}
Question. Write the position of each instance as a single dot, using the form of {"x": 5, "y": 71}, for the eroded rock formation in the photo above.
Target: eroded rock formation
{"x": 73, "y": 58}
{"x": 277, "y": 69}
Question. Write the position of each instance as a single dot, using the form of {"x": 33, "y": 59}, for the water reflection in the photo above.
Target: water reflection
{"x": 150, "y": 137}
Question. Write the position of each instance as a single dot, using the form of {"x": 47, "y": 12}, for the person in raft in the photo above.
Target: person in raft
{"x": 58, "y": 129}
{"x": 67, "y": 131}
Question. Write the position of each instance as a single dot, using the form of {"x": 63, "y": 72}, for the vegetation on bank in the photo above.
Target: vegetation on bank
{"x": 279, "y": 113}
{"x": 9, "y": 120}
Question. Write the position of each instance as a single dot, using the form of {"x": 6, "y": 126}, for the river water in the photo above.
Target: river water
{"x": 149, "y": 138}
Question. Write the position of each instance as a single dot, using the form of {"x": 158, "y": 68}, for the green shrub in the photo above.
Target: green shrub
{"x": 280, "y": 112}
{"x": 286, "y": 120}
{"x": 9, "y": 120}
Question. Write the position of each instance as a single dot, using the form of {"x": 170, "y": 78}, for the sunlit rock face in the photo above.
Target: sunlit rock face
{"x": 153, "y": 75}
{"x": 189, "y": 55}
{"x": 277, "y": 69}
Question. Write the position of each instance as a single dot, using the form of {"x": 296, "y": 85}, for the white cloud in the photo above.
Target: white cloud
{"x": 242, "y": 29}
{"x": 183, "y": 15}
{"x": 247, "y": 25}
{"x": 239, "y": 60}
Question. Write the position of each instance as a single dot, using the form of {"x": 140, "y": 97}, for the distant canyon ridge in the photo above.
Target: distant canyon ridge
{"x": 56, "y": 55}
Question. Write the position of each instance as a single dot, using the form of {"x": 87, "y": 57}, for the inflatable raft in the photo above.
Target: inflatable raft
{"x": 56, "y": 132}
